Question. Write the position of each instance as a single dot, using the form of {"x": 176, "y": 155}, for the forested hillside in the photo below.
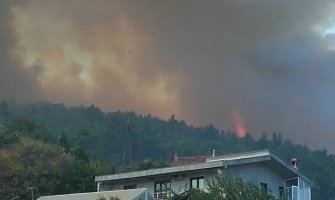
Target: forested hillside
{"x": 60, "y": 149}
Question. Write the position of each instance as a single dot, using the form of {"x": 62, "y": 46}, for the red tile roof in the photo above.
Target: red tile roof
{"x": 188, "y": 160}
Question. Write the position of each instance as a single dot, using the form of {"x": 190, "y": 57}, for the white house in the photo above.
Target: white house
{"x": 261, "y": 167}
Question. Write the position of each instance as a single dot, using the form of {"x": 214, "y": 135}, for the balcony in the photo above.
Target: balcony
{"x": 162, "y": 195}
{"x": 297, "y": 189}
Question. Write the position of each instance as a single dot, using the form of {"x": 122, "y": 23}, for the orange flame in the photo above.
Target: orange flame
{"x": 239, "y": 124}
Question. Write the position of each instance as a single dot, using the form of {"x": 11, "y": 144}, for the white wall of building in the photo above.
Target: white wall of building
{"x": 256, "y": 172}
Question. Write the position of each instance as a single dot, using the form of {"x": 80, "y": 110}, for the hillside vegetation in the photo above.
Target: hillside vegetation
{"x": 60, "y": 149}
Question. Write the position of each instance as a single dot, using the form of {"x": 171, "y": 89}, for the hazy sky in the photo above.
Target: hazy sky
{"x": 266, "y": 63}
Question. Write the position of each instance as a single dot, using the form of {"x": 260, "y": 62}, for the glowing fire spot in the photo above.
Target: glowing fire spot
{"x": 239, "y": 124}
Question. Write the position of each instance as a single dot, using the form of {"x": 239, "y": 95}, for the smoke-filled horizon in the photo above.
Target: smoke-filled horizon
{"x": 256, "y": 66}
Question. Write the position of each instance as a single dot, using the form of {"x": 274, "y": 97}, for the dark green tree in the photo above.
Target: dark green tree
{"x": 64, "y": 143}
{"x": 81, "y": 153}
{"x": 227, "y": 187}
{"x": 8, "y": 137}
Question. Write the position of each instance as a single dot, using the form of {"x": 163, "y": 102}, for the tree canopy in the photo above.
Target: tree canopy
{"x": 227, "y": 187}
{"x": 36, "y": 139}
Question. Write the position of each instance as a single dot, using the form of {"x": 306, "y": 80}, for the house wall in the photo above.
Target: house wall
{"x": 257, "y": 172}
{"x": 179, "y": 181}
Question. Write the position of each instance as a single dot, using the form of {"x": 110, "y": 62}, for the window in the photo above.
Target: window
{"x": 263, "y": 186}
{"x": 281, "y": 191}
{"x": 162, "y": 190}
{"x": 127, "y": 187}
{"x": 197, "y": 182}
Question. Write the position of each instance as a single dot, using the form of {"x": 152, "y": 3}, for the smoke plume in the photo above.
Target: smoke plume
{"x": 201, "y": 60}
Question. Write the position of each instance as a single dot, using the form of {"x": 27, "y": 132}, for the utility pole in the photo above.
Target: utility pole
{"x": 127, "y": 157}
{"x": 32, "y": 192}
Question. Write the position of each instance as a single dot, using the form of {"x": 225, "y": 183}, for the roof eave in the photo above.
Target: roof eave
{"x": 290, "y": 168}
{"x": 159, "y": 171}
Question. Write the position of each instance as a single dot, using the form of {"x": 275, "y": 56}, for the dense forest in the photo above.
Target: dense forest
{"x": 59, "y": 149}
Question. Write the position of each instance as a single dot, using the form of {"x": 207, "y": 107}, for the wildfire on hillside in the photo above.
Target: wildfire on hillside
{"x": 239, "y": 124}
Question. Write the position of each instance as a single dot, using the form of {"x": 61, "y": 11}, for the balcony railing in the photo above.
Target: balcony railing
{"x": 297, "y": 189}
{"x": 162, "y": 195}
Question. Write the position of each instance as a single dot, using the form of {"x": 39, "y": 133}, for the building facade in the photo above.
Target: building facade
{"x": 260, "y": 167}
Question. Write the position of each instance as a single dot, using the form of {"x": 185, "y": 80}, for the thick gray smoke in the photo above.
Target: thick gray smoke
{"x": 14, "y": 81}
{"x": 269, "y": 61}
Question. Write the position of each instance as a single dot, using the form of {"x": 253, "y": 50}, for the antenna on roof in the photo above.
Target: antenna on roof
{"x": 127, "y": 148}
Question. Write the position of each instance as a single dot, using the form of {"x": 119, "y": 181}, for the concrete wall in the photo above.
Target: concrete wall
{"x": 256, "y": 173}
{"x": 179, "y": 181}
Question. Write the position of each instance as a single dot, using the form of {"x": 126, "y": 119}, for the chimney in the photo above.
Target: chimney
{"x": 176, "y": 157}
{"x": 295, "y": 162}
{"x": 213, "y": 153}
